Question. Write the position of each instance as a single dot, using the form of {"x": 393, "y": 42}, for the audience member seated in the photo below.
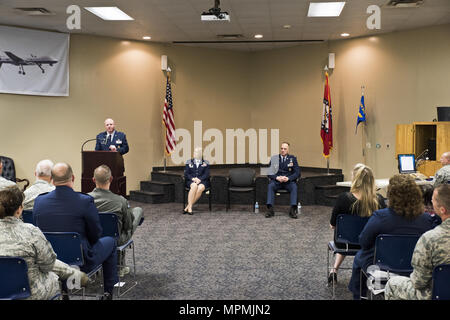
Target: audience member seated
{"x": 42, "y": 184}
{"x": 427, "y": 191}
{"x": 432, "y": 249}
{"x": 24, "y": 240}
{"x": 284, "y": 175}
{"x": 442, "y": 176}
{"x": 106, "y": 201}
{"x": 196, "y": 177}
{"x": 362, "y": 200}
{"x": 404, "y": 215}
{"x": 4, "y": 182}
{"x": 64, "y": 210}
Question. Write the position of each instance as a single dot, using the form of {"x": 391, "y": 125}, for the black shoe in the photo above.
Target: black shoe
{"x": 184, "y": 211}
{"x": 332, "y": 277}
{"x": 270, "y": 213}
{"x": 293, "y": 213}
{"x": 190, "y": 213}
{"x": 106, "y": 296}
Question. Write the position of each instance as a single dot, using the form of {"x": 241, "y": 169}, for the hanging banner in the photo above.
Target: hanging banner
{"x": 34, "y": 62}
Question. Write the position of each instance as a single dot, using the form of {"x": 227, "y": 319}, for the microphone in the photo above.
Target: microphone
{"x": 85, "y": 143}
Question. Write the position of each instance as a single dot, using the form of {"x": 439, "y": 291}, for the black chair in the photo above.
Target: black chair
{"x": 348, "y": 229}
{"x": 14, "y": 278}
{"x": 241, "y": 180}
{"x": 441, "y": 280}
{"x": 9, "y": 171}
{"x": 281, "y": 191}
{"x": 187, "y": 189}
{"x": 393, "y": 254}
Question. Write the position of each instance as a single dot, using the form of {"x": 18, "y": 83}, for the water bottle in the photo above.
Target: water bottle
{"x": 299, "y": 208}
{"x": 256, "y": 207}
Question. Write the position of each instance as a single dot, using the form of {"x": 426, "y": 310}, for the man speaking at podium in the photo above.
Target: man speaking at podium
{"x": 112, "y": 140}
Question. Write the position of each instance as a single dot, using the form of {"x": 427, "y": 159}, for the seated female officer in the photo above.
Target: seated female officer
{"x": 196, "y": 177}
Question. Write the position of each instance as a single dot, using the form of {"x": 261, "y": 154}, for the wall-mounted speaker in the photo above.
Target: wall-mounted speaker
{"x": 331, "y": 60}
{"x": 164, "y": 62}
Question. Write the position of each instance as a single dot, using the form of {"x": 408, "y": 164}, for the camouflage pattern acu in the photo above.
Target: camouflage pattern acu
{"x": 442, "y": 175}
{"x": 37, "y": 188}
{"x": 432, "y": 249}
{"x": 4, "y": 183}
{"x": 24, "y": 240}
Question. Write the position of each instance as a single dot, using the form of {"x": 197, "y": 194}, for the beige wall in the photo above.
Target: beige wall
{"x": 405, "y": 75}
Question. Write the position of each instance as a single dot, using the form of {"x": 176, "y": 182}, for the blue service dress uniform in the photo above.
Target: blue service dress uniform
{"x": 286, "y": 167}
{"x": 201, "y": 172}
{"x": 119, "y": 140}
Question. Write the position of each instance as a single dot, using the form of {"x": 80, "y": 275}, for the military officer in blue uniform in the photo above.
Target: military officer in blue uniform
{"x": 284, "y": 173}
{"x": 112, "y": 140}
{"x": 196, "y": 177}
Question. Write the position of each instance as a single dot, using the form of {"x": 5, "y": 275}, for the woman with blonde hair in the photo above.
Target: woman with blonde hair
{"x": 362, "y": 200}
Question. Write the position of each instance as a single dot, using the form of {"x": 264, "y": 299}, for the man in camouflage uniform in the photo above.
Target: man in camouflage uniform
{"x": 443, "y": 174}
{"x": 106, "y": 201}
{"x": 42, "y": 184}
{"x": 432, "y": 249}
{"x": 4, "y": 182}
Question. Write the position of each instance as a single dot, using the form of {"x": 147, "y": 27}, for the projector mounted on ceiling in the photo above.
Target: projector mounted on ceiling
{"x": 214, "y": 14}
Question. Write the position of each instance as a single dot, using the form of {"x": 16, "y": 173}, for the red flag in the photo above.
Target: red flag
{"x": 326, "y": 131}
{"x": 168, "y": 120}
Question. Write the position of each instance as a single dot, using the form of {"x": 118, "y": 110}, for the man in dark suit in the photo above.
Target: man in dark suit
{"x": 64, "y": 210}
{"x": 112, "y": 140}
{"x": 285, "y": 172}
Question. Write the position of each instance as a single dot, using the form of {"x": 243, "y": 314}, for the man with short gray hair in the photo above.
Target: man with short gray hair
{"x": 442, "y": 176}
{"x": 109, "y": 202}
{"x": 42, "y": 184}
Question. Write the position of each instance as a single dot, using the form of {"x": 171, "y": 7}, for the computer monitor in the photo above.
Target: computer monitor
{"x": 406, "y": 163}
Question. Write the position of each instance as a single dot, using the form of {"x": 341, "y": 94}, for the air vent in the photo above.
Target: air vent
{"x": 34, "y": 11}
{"x": 230, "y": 36}
{"x": 404, "y": 3}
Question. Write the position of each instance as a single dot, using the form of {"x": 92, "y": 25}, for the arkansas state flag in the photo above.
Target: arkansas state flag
{"x": 326, "y": 131}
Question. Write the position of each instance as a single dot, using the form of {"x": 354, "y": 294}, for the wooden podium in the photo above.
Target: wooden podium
{"x": 114, "y": 160}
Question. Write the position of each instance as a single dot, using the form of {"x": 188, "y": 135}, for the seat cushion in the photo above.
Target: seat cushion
{"x": 241, "y": 189}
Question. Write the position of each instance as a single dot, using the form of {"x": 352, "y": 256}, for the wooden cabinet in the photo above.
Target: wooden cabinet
{"x": 415, "y": 138}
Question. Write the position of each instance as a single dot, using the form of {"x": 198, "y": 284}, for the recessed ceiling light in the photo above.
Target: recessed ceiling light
{"x": 325, "y": 9}
{"x": 345, "y": 34}
{"x": 146, "y": 37}
{"x": 287, "y": 26}
{"x": 258, "y": 36}
{"x": 109, "y": 13}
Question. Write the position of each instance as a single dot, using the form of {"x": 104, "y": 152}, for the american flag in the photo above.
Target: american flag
{"x": 168, "y": 120}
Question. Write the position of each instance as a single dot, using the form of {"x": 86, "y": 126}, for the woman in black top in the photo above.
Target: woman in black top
{"x": 362, "y": 200}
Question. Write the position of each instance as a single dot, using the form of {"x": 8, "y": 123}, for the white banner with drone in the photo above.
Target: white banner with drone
{"x": 34, "y": 62}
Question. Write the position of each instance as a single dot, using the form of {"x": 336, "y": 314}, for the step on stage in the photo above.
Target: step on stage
{"x": 315, "y": 186}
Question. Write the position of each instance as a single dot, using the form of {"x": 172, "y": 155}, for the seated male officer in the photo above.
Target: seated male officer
{"x": 64, "y": 210}
{"x": 284, "y": 176}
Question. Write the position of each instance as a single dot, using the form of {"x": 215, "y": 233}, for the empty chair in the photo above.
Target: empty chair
{"x": 241, "y": 180}
{"x": 14, "y": 278}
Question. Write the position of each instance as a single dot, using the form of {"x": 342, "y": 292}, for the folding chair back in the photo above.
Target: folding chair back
{"x": 67, "y": 246}
{"x": 349, "y": 227}
{"x": 27, "y": 216}
{"x": 394, "y": 252}
{"x": 14, "y": 278}
{"x": 110, "y": 224}
{"x": 441, "y": 282}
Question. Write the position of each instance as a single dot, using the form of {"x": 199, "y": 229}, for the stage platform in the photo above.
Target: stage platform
{"x": 315, "y": 186}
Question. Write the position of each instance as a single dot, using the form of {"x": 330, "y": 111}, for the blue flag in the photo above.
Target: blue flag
{"x": 361, "y": 113}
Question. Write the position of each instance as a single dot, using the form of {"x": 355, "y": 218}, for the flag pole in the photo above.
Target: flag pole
{"x": 168, "y": 70}
{"x": 363, "y": 133}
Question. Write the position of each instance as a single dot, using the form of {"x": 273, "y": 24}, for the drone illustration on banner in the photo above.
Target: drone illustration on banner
{"x": 20, "y": 63}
